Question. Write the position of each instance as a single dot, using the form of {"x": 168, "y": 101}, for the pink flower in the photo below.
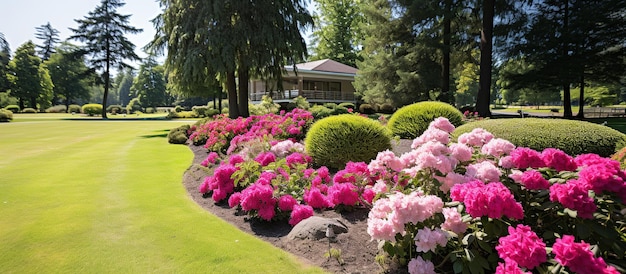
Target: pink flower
{"x": 493, "y": 200}
{"x": 427, "y": 239}
{"x": 385, "y": 159}
{"x": 523, "y": 246}
{"x": 265, "y": 158}
{"x": 557, "y": 159}
{"x": 284, "y": 148}
{"x": 235, "y": 159}
{"x": 380, "y": 187}
{"x": 453, "y": 221}
{"x": 524, "y": 158}
{"x": 297, "y": 158}
{"x": 286, "y": 203}
{"x": 368, "y": 194}
{"x": 485, "y": 171}
{"x": 498, "y": 147}
{"x": 421, "y": 266}
{"x": 476, "y": 138}
{"x": 450, "y": 180}
{"x": 534, "y": 180}
{"x": 574, "y": 195}
{"x": 234, "y": 199}
{"x": 601, "y": 178}
{"x": 509, "y": 267}
{"x": 299, "y": 213}
{"x": 461, "y": 152}
{"x": 578, "y": 256}
{"x": 442, "y": 123}
{"x": 267, "y": 212}
{"x": 343, "y": 194}
{"x": 258, "y": 196}
{"x": 210, "y": 159}
{"x": 415, "y": 207}
{"x": 431, "y": 135}
{"x": 506, "y": 162}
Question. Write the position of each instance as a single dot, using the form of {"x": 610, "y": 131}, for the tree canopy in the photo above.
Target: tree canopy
{"x": 49, "y": 37}
{"x": 70, "y": 75}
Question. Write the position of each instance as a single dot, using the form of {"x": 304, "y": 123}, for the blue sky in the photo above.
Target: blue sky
{"x": 20, "y": 18}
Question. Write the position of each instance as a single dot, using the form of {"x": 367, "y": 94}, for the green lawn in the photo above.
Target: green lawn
{"x": 106, "y": 197}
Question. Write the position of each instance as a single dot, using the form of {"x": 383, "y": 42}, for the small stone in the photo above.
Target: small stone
{"x": 315, "y": 228}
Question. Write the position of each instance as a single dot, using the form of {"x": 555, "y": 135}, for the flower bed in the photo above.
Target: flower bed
{"x": 479, "y": 205}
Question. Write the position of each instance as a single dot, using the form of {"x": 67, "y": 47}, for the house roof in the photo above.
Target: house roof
{"x": 326, "y": 65}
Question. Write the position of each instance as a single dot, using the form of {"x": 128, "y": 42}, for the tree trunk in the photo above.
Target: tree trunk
{"x": 445, "y": 66}
{"x": 219, "y": 102}
{"x": 581, "y": 101}
{"x": 486, "y": 47}
{"x": 33, "y": 102}
{"x": 567, "y": 103}
{"x": 231, "y": 86}
{"x": 243, "y": 91}
{"x": 21, "y": 103}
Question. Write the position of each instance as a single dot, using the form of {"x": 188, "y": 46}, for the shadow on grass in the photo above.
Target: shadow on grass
{"x": 163, "y": 134}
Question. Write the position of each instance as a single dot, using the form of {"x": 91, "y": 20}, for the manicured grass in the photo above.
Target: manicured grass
{"x": 540, "y": 109}
{"x": 106, "y": 197}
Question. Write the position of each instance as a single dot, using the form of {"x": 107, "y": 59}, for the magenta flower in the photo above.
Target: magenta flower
{"x": 578, "y": 257}
{"x": 534, "y": 180}
{"x": 524, "y": 158}
{"x": 234, "y": 200}
{"x": 286, "y": 203}
{"x": 522, "y": 246}
{"x": 297, "y": 158}
{"x": 601, "y": 178}
{"x": 557, "y": 159}
{"x": 210, "y": 159}
{"x": 343, "y": 194}
{"x": 316, "y": 199}
{"x": 574, "y": 195}
{"x": 509, "y": 267}
{"x": 299, "y": 213}
{"x": 493, "y": 200}
{"x": 265, "y": 158}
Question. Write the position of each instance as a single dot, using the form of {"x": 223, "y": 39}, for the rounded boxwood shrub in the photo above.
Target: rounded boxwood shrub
{"x": 114, "y": 109}
{"x": 411, "y": 121}
{"x": 6, "y": 115}
{"x": 178, "y": 135}
{"x": 336, "y": 140}
{"x": 13, "y": 108}
{"x": 320, "y": 112}
{"x": 29, "y": 110}
{"x": 92, "y": 109}
{"x": 386, "y": 108}
{"x": 571, "y": 136}
{"x": 366, "y": 109}
{"x": 74, "y": 109}
{"x": 56, "y": 109}
{"x": 347, "y": 105}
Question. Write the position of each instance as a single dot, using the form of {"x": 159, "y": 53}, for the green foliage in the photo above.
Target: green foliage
{"x": 29, "y": 110}
{"x": 179, "y": 108}
{"x": 74, "y": 109}
{"x": 620, "y": 156}
{"x": 339, "y": 31}
{"x": 178, "y": 135}
{"x": 573, "y": 137}
{"x": 266, "y": 106}
{"x": 92, "y": 109}
{"x": 182, "y": 114}
{"x": 115, "y": 109}
{"x": 13, "y": 108}
{"x": 301, "y": 102}
{"x": 336, "y": 140}
{"x": 57, "y": 109}
{"x": 330, "y": 105}
{"x": 6, "y": 99}
{"x": 6, "y": 115}
{"x": 320, "y": 112}
{"x": 150, "y": 84}
{"x": 151, "y": 110}
{"x": 68, "y": 72}
{"x": 133, "y": 106}
{"x": 200, "y": 111}
{"x": 348, "y": 105}
{"x": 411, "y": 121}
{"x": 26, "y": 76}
{"x": 366, "y": 109}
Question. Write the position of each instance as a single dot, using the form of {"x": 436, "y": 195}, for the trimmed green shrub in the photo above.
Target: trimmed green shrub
{"x": 56, "y": 109}
{"x": 133, "y": 106}
{"x": 200, "y": 111}
{"x": 6, "y": 115}
{"x": 92, "y": 109}
{"x": 178, "y": 108}
{"x": 411, "y": 121}
{"x": 366, "y": 109}
{"x": 330, "y": 105}
{"x": 300, "y": 102}
{"x": 13, "y": 108}
{"x": 320, "y": 112}
{"x": 386, "y": 108}
{"x": 115, "y": 109}
{"x": 29, "y": 110}
{"x": 178, "y": 135}
{"x": 348, "y": 105}
{"x": 573, "y": 137}
{"x": 336, "y": 140}
{"x": 74, "y": 109}
{"x": 182, "y": 114}
{"x": 339, "y": 110}
{"x": 150, "y": 110}
{"x": 212, "y": 112}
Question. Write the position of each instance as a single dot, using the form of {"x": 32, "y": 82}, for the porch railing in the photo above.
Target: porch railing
{"x": 318, "y": 95}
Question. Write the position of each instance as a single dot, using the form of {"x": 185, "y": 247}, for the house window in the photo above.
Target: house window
{"x": 321, "y": 86}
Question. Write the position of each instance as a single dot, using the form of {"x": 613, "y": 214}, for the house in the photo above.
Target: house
{"x": 323, "y": 81}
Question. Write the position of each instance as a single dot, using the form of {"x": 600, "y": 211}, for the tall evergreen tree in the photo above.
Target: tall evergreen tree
{"x": 49, "y": 37}
{"x": 338, "y": 35}
{"x": 25, "y": 77}
{"x": 124, "y": 81}
{"x": 103, "y": 32}
{"x": 203, "y": 50}
{"x": 70, "y": 75}
{"x": 5, "y": 57}
{"x": 150, "y": 85}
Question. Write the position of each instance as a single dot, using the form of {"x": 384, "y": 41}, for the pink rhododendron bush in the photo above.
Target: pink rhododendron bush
{"x": 479, "y": 205}
{"x": 482, "y": 205}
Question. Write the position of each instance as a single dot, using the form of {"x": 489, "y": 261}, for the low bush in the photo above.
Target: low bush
{"x": 300, "y": 102}
{"x": 29, "y": 110}
{"x": 178, "y": 135}
{"x": 330, "y": 105}
{"x": 200, "y": 111}
{"x": 366, "y": 109}
{"x": 115, "y": 109}
{"x": 56, "y": 109}
{"x": 6, "y": 115}
{"x": 573, "y": 137}
{"x": 178, "y": 108}
{"x": 337, "y": 140}
{"x": 620, "y": 156}
{"x": 340, "y": 110}
{"x": 13, "y": 108}
{"x": 320, "y": 112}
{"x": 182, "y": 114}
{"x": 386, "y": 108}
{"x": 411, "y": 121}
{"x": 347, "y": 105}
{"x": 133, "y": 106}
{"x": 150, "y": 110}
{"x": 92, "y": 109}
{"x": 74, "y": 109}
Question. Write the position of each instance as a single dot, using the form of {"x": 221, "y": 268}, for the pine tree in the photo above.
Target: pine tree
{"x": 103, "y": 32}
{"x": 69, "y": 74}
{"x": 49, "y": 37}
{"x": 5, "y": 57}
{"x": 150, "y": 85}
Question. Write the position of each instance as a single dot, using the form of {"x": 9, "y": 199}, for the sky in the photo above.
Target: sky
{"x": 20, "y": 18}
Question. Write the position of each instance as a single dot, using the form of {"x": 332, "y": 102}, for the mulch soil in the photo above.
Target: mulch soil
{"x": 358, "y": 252}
